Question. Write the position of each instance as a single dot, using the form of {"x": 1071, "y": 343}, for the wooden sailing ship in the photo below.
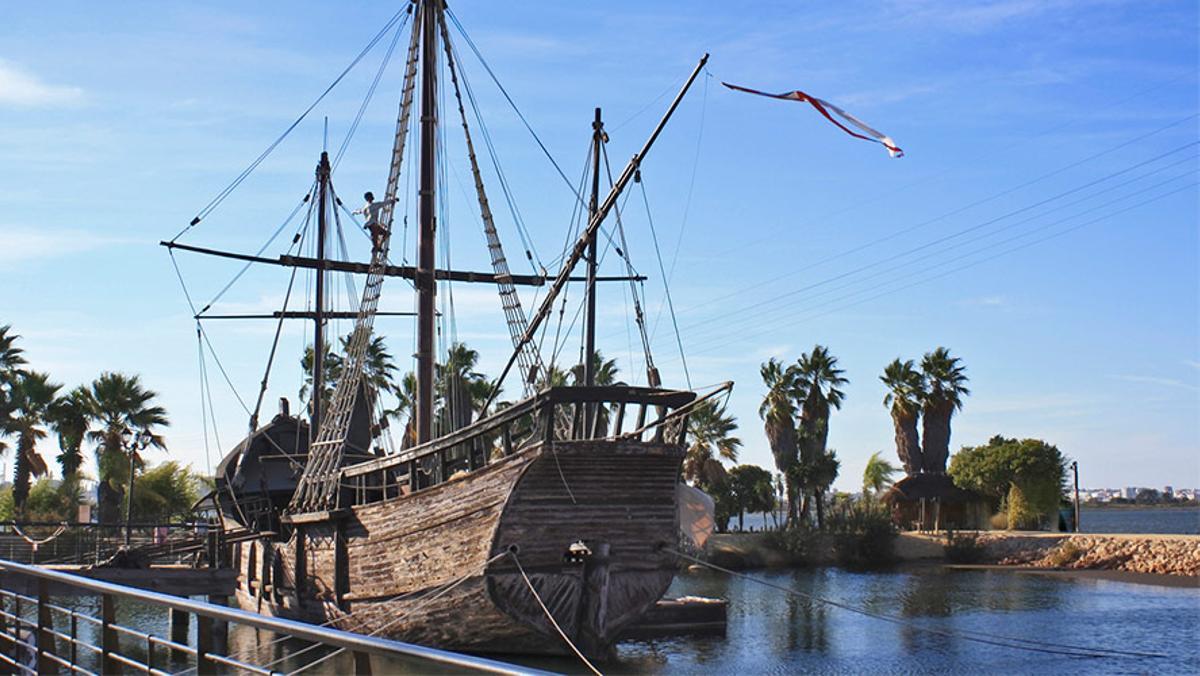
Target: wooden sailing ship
{"x": 540, "y": 525}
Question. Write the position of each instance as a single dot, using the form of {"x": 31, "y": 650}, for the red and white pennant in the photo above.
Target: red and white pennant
{"x": 829, "y": 111}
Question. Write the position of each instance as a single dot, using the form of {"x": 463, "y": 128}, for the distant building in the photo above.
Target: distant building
{"x": 1130, "y": 492}
{"x": 1168, "y": 492}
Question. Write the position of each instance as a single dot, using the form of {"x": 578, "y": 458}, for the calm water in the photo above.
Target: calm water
{"x": 773, "y": 633}
{"x": 1156, "y": 520}
{"x": 1093, "y": 520}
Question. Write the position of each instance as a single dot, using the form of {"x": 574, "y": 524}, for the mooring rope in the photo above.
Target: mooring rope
{"x": 965, "y": 634}
{"x": 550, "y": 617}
{"x": 421, "y": 604}
{"x": 37, "y": 543}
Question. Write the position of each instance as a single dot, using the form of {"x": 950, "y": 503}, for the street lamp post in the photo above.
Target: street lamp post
{"x": 133, "y": 444}
{"x": 1075, "y": 470}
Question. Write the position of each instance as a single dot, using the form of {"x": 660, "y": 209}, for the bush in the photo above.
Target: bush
{"x": 864, "y": 535}
{"x": 963, "y": 548}
{"x": 797, "y": 543}
{"x": 1066, "y": 553}
{"x": 999, "y": 521}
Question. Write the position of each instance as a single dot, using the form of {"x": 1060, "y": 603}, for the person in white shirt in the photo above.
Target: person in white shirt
{"x": 373, "y": 212}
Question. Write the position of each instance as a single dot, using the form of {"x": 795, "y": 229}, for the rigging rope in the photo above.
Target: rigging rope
{"x": 387, "y": 57}
{"x": 225, "y": 192}
{"x": 262, "y": 391}
{"x": 666, "y": 284}
{"x": 549, "y": 616}
{"x": 261, "y": 249}
{"x": 471, "y": 43}
{"x": 965, "y": 634}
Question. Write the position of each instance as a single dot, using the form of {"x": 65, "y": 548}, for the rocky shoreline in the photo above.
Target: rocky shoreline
{"x": 1158, "y": 554}
{"x": 1174, "y": 555}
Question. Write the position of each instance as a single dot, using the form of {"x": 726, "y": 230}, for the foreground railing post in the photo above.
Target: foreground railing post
{"x": 362, "y": 663}
{"x": 108, "y": 635}
{"x": 219, "y": 631}
{"x": 45, "y": 638}
{"x": 74, "y": 647}
{"x": 204, "y": 647}
{"x": 179, "y": 629}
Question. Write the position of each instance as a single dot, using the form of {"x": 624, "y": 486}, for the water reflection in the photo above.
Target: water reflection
{"x": 773, "y": 632}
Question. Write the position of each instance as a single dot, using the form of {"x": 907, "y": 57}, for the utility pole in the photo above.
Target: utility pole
{"x": 431, "y": 12}
{"x": 318, "y": 365}
{"x": 1075, "y": 469}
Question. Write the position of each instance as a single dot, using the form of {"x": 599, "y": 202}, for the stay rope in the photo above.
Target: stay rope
{"x": 225, "y": 192}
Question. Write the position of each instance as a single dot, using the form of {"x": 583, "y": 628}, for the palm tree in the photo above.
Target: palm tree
{"x": 817, "y": 381}
{"x": 461, "y": 388}
{"x": 778, "y": 411}
{"x": 945, "y": 378}
{"x": 70, "y": 416}
{"x": 823, "y": 472}
{"x": 710, "y": 431}
{"x": 331, "y": 370}
{"x": 878, "y": 474}
{"x": 32, "y": 396}
{"x": 122, "y": 404}
{"x": 10, "y": 355}
{"x": 906, "y": 390}
{"x": 405, "y": 393}
{"x": 606, "y": 370}
{"x": 606, "y": 374}
{"x": 10, "y": 363}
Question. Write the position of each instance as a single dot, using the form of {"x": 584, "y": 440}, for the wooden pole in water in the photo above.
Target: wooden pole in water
{"x": 1075, "y": 469}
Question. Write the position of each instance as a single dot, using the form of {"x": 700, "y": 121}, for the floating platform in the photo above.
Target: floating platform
{"x": 685, "y": 616}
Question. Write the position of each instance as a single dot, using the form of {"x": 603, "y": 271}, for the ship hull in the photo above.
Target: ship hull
{"x": 443, "y": 566}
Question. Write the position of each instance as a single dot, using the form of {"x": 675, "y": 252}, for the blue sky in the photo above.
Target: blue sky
{"x": 1043, "y": 225}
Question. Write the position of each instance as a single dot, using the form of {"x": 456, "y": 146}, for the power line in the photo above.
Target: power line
{"x": 774, "y": 299}
{"x": 743, "y": 337}
{"x": 943, "y": 216}
{"x": 772, "y": 305}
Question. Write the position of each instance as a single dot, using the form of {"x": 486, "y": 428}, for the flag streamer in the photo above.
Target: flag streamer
{"x": 830, "y": 111}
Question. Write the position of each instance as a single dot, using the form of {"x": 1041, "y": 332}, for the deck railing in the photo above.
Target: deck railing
{"x": 559, "y": 414}
{"x": 40, "y": 636}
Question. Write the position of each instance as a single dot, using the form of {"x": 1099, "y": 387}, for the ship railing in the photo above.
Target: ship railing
{"x": 554, "y": 415}
{"x": 50, "y": 623}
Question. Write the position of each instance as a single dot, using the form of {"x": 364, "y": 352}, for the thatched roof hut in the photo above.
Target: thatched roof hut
{"x": 932, "y": 501}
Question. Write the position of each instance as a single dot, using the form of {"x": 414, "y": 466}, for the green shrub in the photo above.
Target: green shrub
{"x": 798, "y": 543}
{"x": 963, "y": 548}
{"x": 864, "y": 534}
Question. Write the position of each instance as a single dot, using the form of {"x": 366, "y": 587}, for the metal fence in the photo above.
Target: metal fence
{"x": 40, "y": 634}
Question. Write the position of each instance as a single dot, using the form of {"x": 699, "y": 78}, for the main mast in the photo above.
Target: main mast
{"x": 318, "y": 362}
{"x": 589, "y": 357}
{"x": 431, "y": 11}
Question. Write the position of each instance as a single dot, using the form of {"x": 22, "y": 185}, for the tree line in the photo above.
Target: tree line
{"x": 104, "y": 414}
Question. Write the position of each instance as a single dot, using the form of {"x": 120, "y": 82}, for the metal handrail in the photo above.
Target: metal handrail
{"x": 301, "y": 630}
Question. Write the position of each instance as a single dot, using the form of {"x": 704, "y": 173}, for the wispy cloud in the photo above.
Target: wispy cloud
{"x": 985, "y": 301}
{"x": 1165, "y": 382}
{"x": 19, "y": 87}
{"x": 22, "y": 244}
